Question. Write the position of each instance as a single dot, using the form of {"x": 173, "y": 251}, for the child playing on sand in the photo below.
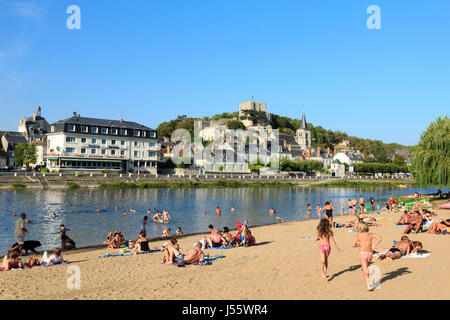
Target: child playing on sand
{"x": 364, "y": 241}
{"x": 66, "y": 242}
{"x": 308, "y": 211}
{"x": 324, "y": 235}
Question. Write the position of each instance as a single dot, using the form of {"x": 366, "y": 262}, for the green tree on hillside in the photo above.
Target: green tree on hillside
{"x": 431, "y": 160}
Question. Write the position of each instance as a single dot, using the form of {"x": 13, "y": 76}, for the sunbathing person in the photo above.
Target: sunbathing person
{"x": 405, "y": 218}
{"x": 415, "y": 223}
{"x": 55, "y": 258}
{"x": 141, "y": 244}
{"x": 353, "y": 223}
{"x": 439, "y": 227}
{"x": 166, "y": 253}
{"x": 109, "y": 237}
{"x": 116, "y": 241}
{"x": 401, "y": 248}
{"x": 215, "y": 239}
{"x": 194, "y": 255}
{"x": 13, "y": 262}
{"x": 226, "y": 234}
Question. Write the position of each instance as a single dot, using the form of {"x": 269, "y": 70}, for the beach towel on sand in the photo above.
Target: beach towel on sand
{"x": 54, "y": 265}
{"x": 304, "y": 237}
{"x": 214, "y": 258}
{"x": 108, "y": 255}
{"x": 416, "y": 255}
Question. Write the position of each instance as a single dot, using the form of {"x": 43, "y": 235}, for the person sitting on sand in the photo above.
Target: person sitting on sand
{"x": 141, "y": 244}
{"x": 226, "y": 234}
{"x": 364, "y": 241}
{"x": 55, "y": 258}
{"x": 11, "y": 262}
{"x": 214, "y": 240}
{"x": 415, "y": 223}
{"x": 405, "y": 218}
{"x": 279, "y": 219}
{"x": 179, "y": 232}
{"x": 166, "y": 233}
{"x": 166, "y": 250}
{"x": 116, "y": 241}
{"x": 324, "y": 235}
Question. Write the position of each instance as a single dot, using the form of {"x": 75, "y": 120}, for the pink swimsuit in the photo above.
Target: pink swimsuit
{"x": 325, "y": 248}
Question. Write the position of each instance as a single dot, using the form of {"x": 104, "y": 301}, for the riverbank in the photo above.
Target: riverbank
{"x": 282, "y": 266}
{"x": 116, "y": 181}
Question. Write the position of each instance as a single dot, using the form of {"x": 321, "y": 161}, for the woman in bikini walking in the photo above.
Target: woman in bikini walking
{"x": 364, "y": 241}
{"x": 324, "y": 235}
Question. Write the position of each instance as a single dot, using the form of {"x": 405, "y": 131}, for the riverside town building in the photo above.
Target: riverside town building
{"x": 80, "y": 143}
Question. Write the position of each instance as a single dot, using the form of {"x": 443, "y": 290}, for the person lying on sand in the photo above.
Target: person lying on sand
{"x": 442, "y": 227}
{"x": 402, "y": 248}
{"x": 11, "y": 262}
{"x": 141, "y": 244}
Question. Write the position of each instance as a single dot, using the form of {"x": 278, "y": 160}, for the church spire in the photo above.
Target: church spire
{"x": 303, "y": 124}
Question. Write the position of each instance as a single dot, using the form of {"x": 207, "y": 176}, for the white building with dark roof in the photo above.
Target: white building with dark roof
{"x": 81, "y": 143}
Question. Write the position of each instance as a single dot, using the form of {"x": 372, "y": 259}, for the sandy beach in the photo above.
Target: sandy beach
{"x": 282, "y": 266}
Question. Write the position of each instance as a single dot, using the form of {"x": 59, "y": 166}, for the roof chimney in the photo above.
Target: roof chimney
{"x": 74, "y": 114}
{"x": 121, "y": 120}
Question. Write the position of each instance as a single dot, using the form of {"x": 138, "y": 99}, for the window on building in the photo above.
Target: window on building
{"x": 103, "y": 151}
{"x": 70, "y": 150}
{"x": 152, "y": 144}
{"x": 93, "y": 151}
{"x": 84, "y": 129}
{"x": 70, "y": 139}
{"x": 151, "y": 154}
{"x": 137, "y": 133}
{"x": 83, "y": 150}
{"x": 122, "y": 143}
{"x": 114, "y": 131}
{"x": 123, "y": 132}
{"x": 104, "y": 130}
{"x": 113, "y": 142}
{"x": 94, "y": 141}
{"x": 103, "y": 141}
{"x": 83, "y": 140}
{"x": 136, "y": 153}
{"x": 144, "y": 133}
{"x": 122, "y": 152}
{"x": 71, "y": 127}
{"x": 153, "y": 134}
{"x": 52, "y": 128}
{"x": 136, "y": 143}
{"x": 113, "y": 152}
{"x": 94, "y": 130}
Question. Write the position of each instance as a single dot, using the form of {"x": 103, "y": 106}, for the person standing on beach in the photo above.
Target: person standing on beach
{"x": 232, "y": 210}
{"x": 20, "y": 232}
{"x": 362, "y": 204}
{"x": 372, "y": 204}
{"x": 65, "y": 239}
{"x": 272, "y": 212}
{"x": 325, "y": 237}
{"x": 329, "y": 208}
{"x": 318, "y": 209}
{"x": 144, "y": 223}
{"x": 355, "y": 206}
{"x": 391, "y": 203}
{"x": 218, "y": 211}
{"x": 364, "y": 241}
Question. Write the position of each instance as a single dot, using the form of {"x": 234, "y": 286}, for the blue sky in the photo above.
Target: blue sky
{"x": 149, "y": 61}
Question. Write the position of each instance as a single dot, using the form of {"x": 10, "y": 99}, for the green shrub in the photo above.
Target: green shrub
{"x": 18, "y": 186}
{"x": 73, "y": 185}
{"x": 44, "y": 170}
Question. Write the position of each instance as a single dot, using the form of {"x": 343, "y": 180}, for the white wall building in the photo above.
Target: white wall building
{"x": 80, "y": 143}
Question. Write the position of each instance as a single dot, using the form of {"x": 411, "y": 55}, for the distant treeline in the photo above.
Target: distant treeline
{"x": 374, "y": 167}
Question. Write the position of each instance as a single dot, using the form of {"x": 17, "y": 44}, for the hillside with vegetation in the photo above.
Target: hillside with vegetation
{"x": 321, "y": 137}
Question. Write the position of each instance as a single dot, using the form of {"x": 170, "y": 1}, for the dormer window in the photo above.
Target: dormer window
{"x": 114, "y": 131}
{"x": 71, "y": 127}
{"x": 137, "y": 133}
{"x": 84, "y": 129}
{"x": 123, "y": 132}
{"x": 94, "y": 130}
{"x": 104, "y": 130}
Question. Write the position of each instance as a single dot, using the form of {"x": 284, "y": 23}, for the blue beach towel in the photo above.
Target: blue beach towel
{"x": 54, "y": 265}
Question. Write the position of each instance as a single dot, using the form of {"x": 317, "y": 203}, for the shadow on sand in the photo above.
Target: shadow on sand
{"x": 394, "y": 274}
{"x": 349, "y": 269}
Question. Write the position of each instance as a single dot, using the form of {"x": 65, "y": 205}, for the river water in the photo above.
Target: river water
{"x": 77, "y": 209}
